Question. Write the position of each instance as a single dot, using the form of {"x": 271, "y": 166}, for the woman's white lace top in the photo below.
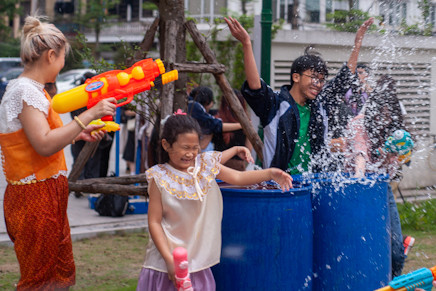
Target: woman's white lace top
{"x": 17, "y": 91}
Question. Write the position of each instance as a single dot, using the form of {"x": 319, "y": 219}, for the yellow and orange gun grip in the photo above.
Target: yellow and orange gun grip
{"x": 109, "y": 126}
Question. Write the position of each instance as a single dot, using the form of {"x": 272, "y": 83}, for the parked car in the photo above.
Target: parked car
{"x": 10, "y": 74}
{"x": 7, "y": 63}
{"x": 71, "y": 79}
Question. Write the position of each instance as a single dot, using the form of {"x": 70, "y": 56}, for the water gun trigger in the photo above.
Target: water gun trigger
{"x": 129, "y": 99}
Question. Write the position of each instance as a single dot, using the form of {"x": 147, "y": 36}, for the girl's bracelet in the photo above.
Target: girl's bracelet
{"x": 80, "y": 123}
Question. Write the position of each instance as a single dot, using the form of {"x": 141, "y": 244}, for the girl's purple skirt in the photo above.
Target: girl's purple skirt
{"x": 151, "y": 280}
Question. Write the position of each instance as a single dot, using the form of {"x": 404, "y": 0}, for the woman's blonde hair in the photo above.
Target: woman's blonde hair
{"x": 38, "y": 37}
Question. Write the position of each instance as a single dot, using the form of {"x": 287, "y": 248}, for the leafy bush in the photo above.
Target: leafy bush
{"x": 418, "y": 216}
{"x": 348, "y": 21}
{"x": 10, "y": 48}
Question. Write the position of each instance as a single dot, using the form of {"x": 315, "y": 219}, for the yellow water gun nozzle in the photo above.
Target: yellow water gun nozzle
{"x": 170, "y": 76}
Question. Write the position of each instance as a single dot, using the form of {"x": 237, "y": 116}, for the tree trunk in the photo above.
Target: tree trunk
{"x": 174, "y": 10}
{"x": 87, "y": 151}
{"x": 169, "y": 56}
{"x": 108, "y": 189}
{"x": 294, "y": 19}
{"x": 225, "y": 87}
{"x": 147, "y": 42}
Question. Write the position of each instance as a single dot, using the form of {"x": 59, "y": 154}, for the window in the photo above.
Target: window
{"x": 312, "y": 10}
{"x": 205, "y": 10}
{"x": 147, "y": 9}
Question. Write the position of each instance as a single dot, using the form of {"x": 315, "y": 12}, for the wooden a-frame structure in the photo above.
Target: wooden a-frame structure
{"x": 125, "y": 185}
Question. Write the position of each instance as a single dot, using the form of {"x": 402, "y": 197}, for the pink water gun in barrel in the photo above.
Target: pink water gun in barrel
{"x": 180, "y": 256}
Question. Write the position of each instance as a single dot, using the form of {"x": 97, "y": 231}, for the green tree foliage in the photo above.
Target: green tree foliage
{"x": 96, "y": 17}
{"x": 425, "y": 28}
{"x": 348, "y": 21}
{"x": 10, "y": 48}
{"x": 228, "y": 52}
{"x": 7, "y": 9}
{"x": 82, "y": 52}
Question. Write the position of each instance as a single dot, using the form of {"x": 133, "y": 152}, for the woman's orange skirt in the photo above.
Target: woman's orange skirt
{"x": 37, "y": 223}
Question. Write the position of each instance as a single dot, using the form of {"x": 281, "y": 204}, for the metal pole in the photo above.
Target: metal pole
{"x": 117, "y": 143}
{"x": 266, "y": 23}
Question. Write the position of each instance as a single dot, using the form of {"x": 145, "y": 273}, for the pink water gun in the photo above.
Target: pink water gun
{"x": 180, "y": 256}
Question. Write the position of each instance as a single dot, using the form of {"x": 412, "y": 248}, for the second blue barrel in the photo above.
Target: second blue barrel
{"x": 266, "y": 239}
{"x": 351, "y": 237}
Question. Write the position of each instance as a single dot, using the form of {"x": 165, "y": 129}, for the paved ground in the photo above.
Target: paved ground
{"x": 84, "y": 222}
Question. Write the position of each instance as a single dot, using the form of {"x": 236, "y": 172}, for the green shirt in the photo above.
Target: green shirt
{"x": 299, "y": 162}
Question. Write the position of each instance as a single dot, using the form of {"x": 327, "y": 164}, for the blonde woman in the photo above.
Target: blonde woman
{"x": 32, "y": 137}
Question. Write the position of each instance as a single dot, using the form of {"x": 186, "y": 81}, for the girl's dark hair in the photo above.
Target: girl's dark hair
{"x": 382, "y": 114}
{"x": 363, "y": 66}
{"x": 227, "y": 115}
{"x": 202, "y": 95}
{"x": 311, "y": 60}
{"x": 173, "y": 127}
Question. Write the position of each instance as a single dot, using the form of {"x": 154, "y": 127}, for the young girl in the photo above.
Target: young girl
{"x": 185, "y": 204}
{"x": 32, "y": 138}
{"x": 379, "y": 118}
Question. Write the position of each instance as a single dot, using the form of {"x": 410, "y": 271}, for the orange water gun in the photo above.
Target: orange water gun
{"x": 116, "y": 83}
{"x": 421, "y": 278}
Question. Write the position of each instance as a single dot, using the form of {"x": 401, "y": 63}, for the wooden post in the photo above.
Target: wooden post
{"x": 147, "y": 42}
{"x": 109, "y": 189}
{"x": 230, "y": 96}
{"x": 87, "y": 151}
{"x": 167, "y": 97}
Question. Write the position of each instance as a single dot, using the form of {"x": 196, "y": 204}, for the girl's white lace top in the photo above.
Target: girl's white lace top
{"x": 18, "y": 91}
{"x": 190, "y": 219}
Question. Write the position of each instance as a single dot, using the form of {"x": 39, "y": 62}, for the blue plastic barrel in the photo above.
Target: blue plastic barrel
{"x": 266, "y": 240}
{"x": 351, "y": 238}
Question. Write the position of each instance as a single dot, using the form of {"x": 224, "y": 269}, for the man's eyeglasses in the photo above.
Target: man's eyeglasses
{"x": 315, "y": 80}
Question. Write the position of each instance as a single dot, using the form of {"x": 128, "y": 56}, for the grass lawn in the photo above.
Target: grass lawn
{"x": 114, "y": 262}
{"x": 102, "y": 263}
{"x": 423, "y": 253}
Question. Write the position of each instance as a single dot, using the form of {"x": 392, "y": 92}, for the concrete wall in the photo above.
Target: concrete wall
{"x": 410, "y": 60}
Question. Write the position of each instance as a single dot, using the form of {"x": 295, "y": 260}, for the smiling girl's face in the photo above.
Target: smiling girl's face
{"x": 183, "y": 151}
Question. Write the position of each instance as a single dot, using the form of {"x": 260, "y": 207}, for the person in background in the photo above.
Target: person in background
{"x": 295, "y": 120}
{"x": 230, "y": 139}
{"x": 356, "y": 96}
{"x": 351, "y": 103}
{"x": 32, "y": 138}
{"x": 51, "y": 88}
{"x": 367, "y": 132}
{"x": 200, "y": 101}
{"x": 185, "y": 204}
{"x": 129, "y": 149}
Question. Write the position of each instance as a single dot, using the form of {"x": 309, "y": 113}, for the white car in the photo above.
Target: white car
{"x": 71, "y": 79}
{"x": 10, "y": 74}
